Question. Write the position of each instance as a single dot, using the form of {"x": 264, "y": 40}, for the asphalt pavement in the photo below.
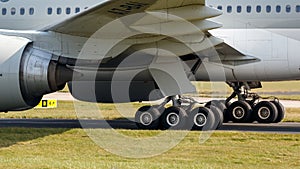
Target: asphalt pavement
{"x": 286, "y": 128}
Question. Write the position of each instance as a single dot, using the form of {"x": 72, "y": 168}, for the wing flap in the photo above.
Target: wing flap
{"x": 185, "y": 46}
{"x": 179, "y": 27}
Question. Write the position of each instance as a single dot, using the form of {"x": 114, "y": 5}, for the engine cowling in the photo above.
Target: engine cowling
{"x": 26, "y": 74}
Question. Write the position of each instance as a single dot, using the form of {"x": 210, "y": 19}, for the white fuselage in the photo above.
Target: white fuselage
{"x": 266, "y": 29}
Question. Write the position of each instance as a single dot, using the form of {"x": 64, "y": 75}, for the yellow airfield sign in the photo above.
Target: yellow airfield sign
{"x": 47, "y": 104}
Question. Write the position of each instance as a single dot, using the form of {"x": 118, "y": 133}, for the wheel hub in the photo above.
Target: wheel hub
{"x": 200, "y": 120}
{"x": 173, "y": 119}
{"x": 264, "y": 113}
{"x": 238, "y": 112}
{"x": 146, "y": 118}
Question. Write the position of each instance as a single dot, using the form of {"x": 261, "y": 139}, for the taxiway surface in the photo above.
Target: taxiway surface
{"x": 287, "y": 128}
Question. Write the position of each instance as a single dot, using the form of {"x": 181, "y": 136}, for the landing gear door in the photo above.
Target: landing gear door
{"x": 169, "y": 74}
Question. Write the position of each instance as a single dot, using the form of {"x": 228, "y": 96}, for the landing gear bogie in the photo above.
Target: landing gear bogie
{"x": 251, "y": 107}
{"x": 181, "y": 115}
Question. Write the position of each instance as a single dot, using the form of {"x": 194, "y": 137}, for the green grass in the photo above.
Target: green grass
{"x": 292, "y": 115}
{"x": 286, "y": 86}
{"x": 66, "y": 110}
{"x": 61, "y": 148}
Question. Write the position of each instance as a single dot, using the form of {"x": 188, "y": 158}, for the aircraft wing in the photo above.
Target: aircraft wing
{"x": 188, "y": 40}
{"x": 88, "y": 22}
{"x": 180, "y": 26}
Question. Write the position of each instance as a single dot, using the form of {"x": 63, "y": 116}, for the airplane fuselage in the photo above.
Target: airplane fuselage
{"x": 267, "y": 30}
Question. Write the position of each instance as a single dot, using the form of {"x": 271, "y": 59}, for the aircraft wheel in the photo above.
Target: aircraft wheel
{"x": 174, "y": 118}
{"x": 281, "y": 111}
{"x": 147, "y": 117}
{"x": 220, "y": 104}
{"x": 265, "y": 112}
{"x": 219, "y": 117}
{"x": 202, "y": 118}
{"x": 217, "y": 103}
{"x": 239, "y": 111}
{"x": 226, "y": 116}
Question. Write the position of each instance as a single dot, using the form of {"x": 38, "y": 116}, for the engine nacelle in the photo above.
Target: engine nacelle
{"x": 26, "y": 74}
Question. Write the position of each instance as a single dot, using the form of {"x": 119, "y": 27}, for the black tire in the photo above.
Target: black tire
{"x": 220, "y": 104}
{"x": 174, "y": 118}
{"x": 251, "y": 103}
{"x": 217, "y": 103}
{"x": 202, "y": 118}
{"x": 239, "y": 112}
{"x": 225, "y": 113}
{"x": 147, "y": 118}
{"x": 281, "y": 111}
{"x": 265, "y": 112}
{"x": 219, "y": 117}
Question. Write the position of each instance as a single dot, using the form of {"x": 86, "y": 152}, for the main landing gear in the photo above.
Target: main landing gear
{"x": 250, "y": 107}
{"x": 183, "y": 114}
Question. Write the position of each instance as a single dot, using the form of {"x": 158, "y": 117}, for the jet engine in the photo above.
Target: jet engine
{"x": 27, "y": 73}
